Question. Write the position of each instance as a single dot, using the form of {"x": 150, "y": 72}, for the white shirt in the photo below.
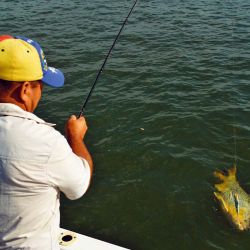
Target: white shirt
{"x": 36, "y": 163}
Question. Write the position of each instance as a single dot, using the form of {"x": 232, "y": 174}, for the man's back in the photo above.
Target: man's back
{"x": 30, "y": 180}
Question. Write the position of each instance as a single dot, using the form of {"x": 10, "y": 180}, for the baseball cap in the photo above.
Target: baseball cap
{"x": 22, "y": 59}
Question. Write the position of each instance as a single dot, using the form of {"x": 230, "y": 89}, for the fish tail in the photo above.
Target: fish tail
{"x": 232, "y": 172}
{"x": 220, "y": 175}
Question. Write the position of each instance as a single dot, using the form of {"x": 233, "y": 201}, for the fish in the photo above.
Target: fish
{"x": 234, "y": 201}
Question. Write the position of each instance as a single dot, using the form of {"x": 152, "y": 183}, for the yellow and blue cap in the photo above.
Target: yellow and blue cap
{"x": 22, "y": 59}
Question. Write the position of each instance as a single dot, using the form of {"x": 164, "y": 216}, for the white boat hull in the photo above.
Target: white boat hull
{"x": 69, "y": 240}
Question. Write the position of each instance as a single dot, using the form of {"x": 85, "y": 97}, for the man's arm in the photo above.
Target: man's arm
{"x": 75, "y": 131}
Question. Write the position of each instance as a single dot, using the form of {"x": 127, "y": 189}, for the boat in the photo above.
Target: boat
{"x": 69, "y": 240}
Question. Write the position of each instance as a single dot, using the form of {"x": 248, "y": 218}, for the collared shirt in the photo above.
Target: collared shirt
{"x": 36, "y": 163}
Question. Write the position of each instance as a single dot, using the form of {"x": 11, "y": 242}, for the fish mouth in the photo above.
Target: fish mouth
{"x": 241, "y": 224}
{"x": 242, "y": 227}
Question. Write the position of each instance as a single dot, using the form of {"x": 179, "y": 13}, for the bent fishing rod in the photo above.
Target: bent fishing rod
{"x": 105, "y": 60}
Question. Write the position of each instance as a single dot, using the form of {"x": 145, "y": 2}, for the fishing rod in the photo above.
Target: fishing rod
{"x": 105, "y": 60}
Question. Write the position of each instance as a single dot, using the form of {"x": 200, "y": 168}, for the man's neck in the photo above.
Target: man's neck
{"x": 9, "y": 100}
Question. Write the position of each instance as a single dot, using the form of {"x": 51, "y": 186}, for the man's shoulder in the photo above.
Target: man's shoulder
{"x": 27, "y": 138}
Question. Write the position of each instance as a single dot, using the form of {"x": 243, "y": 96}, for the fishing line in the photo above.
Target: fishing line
{"x": 235, "y": 145}
{"x": 234, "y": 124}
{"x": 105, "y": 60}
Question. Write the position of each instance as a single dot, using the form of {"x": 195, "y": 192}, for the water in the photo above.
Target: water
{"x": 162, "y": 117}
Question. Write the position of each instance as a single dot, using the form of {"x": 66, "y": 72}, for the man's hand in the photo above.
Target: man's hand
{"x": 76, "y": 129}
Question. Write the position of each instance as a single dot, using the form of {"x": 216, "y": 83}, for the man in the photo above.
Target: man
{"x": 36, "y": 161}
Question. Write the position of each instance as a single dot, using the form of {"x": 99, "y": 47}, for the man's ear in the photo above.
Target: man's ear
{"x": 25, "y": 92}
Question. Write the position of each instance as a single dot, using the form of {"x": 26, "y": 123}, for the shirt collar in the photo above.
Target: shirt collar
{"x": 9, "y": 109}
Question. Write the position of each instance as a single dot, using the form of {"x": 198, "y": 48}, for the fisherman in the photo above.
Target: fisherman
{"x": 36, "y": 161}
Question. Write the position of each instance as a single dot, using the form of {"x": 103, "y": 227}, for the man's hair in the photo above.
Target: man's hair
{"x": 4, "y": 81}
{"x": 5, "y": 85}
{"x": 8, "y": 86}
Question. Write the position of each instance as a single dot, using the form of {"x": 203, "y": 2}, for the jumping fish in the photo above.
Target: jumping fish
{"x": 234, "y": 201}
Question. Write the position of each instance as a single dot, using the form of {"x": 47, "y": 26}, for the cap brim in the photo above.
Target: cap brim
{"x": 53, "y": 77}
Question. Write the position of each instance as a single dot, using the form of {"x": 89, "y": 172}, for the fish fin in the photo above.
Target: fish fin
{"x": 236, "y": 202}
{"x": 221, "y": 187}
{"x": 220, "y": 198}
{"x": 220, "y": 175}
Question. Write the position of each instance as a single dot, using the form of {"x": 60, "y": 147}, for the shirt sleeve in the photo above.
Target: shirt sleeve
{"x": 66, "y": 171}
